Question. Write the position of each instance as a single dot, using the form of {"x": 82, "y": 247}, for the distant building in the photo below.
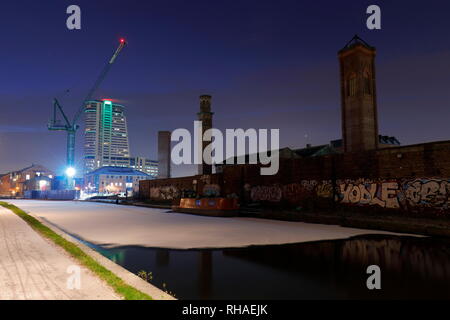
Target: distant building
{"x": 148, "y": 166}
{"x": 34, "y": 177}
{"x": 113, "y": 180}
{"x": 106, "y": 135}
{"x": 383, "y": 142}
{"x": 334, "y": 147}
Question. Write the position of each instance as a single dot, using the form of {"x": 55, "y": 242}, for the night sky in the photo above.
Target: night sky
{"x": 267, "y": 64}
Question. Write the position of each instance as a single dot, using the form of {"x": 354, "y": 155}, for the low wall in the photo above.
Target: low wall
{"x": 418, "y": 195}
{"x": 172, "y": 189}
{"x": 52, "y": 194}
{"x": 413, "y": 179}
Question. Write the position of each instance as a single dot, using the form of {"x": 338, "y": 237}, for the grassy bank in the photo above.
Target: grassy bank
{"x": 123, "y": 289}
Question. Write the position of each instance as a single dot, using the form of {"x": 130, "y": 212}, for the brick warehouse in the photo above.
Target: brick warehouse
{"x": 409, "y": 178}
{"x": 364, "y": 173}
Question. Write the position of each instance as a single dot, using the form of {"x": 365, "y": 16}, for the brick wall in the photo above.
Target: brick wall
{"x": 412, "y": 178}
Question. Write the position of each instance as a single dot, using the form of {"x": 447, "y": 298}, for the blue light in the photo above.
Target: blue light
{"x": 70, "y": 172}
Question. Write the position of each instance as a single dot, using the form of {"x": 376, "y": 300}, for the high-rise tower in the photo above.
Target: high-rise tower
{"x": 106, "y": 135}
{"x": 205, "y": 116}
{"x": 358, "y": 96}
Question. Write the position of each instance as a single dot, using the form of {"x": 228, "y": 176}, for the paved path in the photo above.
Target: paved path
{"x": 32, "y": 267}
{"x": 116, "y": 225}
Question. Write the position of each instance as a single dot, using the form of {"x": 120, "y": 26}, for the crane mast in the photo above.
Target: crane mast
{"x": 71, "y": 127}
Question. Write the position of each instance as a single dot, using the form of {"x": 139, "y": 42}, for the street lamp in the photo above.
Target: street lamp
{"x": 70, "y": 172}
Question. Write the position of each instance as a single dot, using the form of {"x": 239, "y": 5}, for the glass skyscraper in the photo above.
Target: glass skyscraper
{"x": 106, "y": 135}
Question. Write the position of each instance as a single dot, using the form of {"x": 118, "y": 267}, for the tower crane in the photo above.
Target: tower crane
{"x": 71, "y": 126}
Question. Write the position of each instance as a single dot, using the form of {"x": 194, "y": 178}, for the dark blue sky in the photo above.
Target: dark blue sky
{"x": 267, "y": 64}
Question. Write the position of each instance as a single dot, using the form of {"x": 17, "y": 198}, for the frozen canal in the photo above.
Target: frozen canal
{"x": 111, "y": 225}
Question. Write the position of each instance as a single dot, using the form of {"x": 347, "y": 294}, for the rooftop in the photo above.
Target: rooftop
{"x": 118, "y": 170}
{"x": 37, "y": 166}
{"x": 356, "y": 41}
{"x": 102, "y": 100}
{"x": 312, "y": 151}
{"x": 389, "y": 140}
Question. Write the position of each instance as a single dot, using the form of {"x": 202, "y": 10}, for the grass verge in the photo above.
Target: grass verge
{"x": 123, "y": 289}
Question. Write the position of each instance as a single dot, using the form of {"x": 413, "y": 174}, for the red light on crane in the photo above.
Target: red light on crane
{"x": 122, "y": 40}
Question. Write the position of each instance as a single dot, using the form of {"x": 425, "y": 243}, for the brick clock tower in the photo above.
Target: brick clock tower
{"x": 358, "y": 96}
{"x": 205, "y": 116}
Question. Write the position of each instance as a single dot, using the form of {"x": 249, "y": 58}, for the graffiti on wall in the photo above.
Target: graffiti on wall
{"x": 325, "y": 190}
{"x": 211, "y": 190}
{"x": 164, "y": 193}
{"x": 403, "y": 194}
{"x": 369, "y": 193}
{"x": 415, "y": 195}
{"x": 427, "y": 193}
{"x": 409, "y": 194}
{"x": 293, "y": 193}
{"x": 266, "y": 193}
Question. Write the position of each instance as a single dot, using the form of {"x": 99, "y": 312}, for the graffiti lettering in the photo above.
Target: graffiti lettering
{"x": 427, "y": 193}
{"x": 266, "y": 193}
{"x": 367, "y": 194}
{"x": 164, "y": 193}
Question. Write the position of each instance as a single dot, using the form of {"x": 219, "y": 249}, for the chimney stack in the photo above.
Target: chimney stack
{"x": 205, "y": 116}
{"x": 164, "y": 154}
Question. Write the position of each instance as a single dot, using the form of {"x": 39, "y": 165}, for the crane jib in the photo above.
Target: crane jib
{"x": 71, "y": 128}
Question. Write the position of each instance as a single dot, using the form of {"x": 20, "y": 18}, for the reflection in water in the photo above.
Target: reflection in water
{"x": 162, "y": 257}
{"x": 205, "y": 274}
{"x": 410, "y": 268}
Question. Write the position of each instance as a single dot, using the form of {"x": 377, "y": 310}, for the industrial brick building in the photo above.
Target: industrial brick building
{"x": 34, "y": 177}
{"x": 364, "y": 169}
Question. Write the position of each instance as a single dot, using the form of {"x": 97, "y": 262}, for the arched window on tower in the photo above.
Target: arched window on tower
{"x": 351, "y": 85}
{"x": 367, "y": 83}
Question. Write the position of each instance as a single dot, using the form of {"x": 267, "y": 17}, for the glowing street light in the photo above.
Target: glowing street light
{"x": 70, "y": 172}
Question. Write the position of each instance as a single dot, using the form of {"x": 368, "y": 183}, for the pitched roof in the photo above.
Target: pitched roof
{"x": 315, "y": 151}
{"x": 33, "y": 166}
{"x": 355, "y": 41}
{"x": 283, "y": 153}
{"x": 381, "y": 139}
{"x": 388, "y": 140}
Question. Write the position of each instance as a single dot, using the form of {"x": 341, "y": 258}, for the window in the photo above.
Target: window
{"x": 351, "y": 85}
{"x": 367, "y": 83}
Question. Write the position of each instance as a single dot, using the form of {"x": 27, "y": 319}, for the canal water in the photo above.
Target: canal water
{"x": 411, "y": 268}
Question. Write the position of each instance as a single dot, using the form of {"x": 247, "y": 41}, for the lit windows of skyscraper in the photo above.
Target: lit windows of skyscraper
{"x": 148, "y": 166}
{"x": 106, "y": 135}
